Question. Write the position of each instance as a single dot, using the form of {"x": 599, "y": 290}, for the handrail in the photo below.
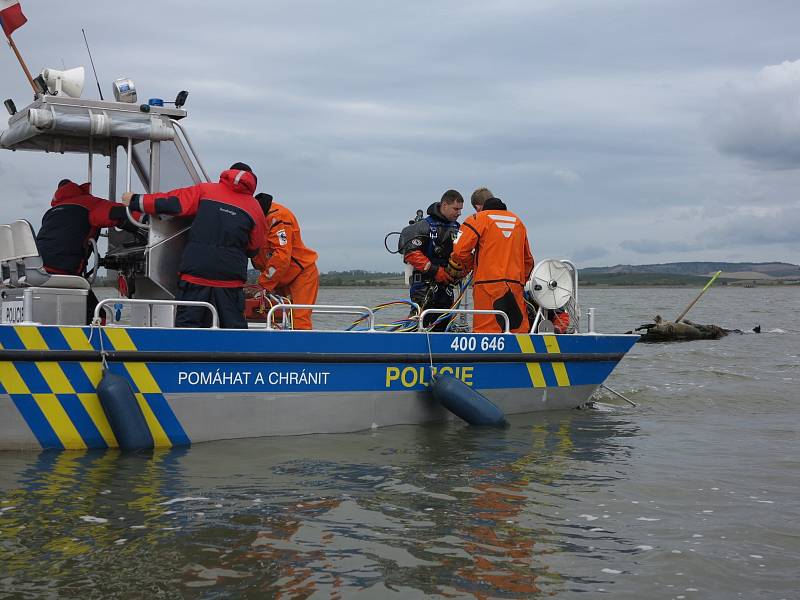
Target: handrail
{"x": 536, "y": 320}
{"x": 128, "y": 175}
{"x": 575, "y": 292}
{"x": 465, "y": 311}
{"x": 185, "y": 135}
{"x": 95, "y": 251}
{"x": 330, "y": 309}
{"x": 151, "y": 303}
{"x": 139, "y": 224}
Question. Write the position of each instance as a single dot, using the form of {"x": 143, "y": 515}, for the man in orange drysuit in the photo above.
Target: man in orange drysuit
{"x": 494, "y": 244}
{"x": 479, "y": 198}
{"x": 288, "y": 267}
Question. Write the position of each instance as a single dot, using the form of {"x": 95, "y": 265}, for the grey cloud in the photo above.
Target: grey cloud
{"x": 776, "y": 225}
{"x": 566, "y": 176}
{"x": 654, "y": 246}
{"x": 582, "y": 116}
{"x": 589, "y": 253}
{"x": 759, "y": 118}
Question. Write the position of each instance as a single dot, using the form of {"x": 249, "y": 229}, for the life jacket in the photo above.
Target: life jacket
{"x": 429, "y": 240}
{"x": 441, "y": 237}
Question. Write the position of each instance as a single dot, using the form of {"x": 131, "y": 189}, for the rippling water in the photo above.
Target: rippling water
{"x": 693, "y": 494}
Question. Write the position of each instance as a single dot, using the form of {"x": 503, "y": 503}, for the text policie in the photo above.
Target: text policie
{"x": 410, "y": 377}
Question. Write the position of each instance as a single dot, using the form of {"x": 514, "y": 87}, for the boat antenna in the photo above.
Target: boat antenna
{"x": 91, "y": 60}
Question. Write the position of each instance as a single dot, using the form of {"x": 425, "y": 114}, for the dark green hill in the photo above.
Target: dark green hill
{"x": 352, "y": 278}
{"x": 358, "y": 277}
{"x": 666, "y": 274}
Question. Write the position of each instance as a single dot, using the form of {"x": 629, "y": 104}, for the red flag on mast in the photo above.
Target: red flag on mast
{"x": 11, "y": 17}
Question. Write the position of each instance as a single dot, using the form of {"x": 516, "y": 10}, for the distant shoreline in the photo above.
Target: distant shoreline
{"x": 603, "y": 286}
{"x": 101, "y": 283}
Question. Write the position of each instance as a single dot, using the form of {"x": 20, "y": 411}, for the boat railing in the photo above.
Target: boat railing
{"x": 462, "y": 311}
{"x": 150, "y": 303}
{"x": 331, "y": 309}
{"x": 179, "y": 128}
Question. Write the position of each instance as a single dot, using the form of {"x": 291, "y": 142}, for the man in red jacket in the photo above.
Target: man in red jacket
{"x": 74, "y": 219}
{"x": 228, "y": 228}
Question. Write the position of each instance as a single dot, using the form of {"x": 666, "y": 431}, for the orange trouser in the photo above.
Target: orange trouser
{"x": 500, "y": 296}
{"x": 302, "y": 290}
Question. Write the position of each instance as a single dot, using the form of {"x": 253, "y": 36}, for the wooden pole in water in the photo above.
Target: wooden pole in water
{"x": 693, "y": 302}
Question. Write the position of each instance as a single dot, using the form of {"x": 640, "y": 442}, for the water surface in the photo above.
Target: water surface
{"x": 693, "y": 494}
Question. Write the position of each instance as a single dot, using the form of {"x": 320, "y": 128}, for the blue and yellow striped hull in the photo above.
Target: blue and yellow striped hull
{"x": 200, "y": 385}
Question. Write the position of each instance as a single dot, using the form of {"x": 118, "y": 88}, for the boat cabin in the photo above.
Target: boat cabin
{"x": 146, "y": 150}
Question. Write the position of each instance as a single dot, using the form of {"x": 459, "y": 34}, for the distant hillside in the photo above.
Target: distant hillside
{"x": 641, "y": 279}
{"x": 669, "y": 274}
{"x": 352, "y": 278}
{"x": 358, "y": 277}
{"x": 729, "y": 270}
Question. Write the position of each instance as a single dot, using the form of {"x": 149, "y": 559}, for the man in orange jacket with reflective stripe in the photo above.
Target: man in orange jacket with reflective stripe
{"x": 494, "y": 244}
{"x": 288, "y": 267}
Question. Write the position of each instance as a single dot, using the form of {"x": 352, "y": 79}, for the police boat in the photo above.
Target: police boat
{"x": 66, "y": 384}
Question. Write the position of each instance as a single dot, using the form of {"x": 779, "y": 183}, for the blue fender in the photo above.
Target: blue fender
{"x": 466, "y": 403}
{"x": 123, "y": 413}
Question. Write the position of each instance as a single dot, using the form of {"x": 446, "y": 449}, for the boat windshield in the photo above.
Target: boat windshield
{"x": 174, "y": 173}
{"x": 158, "y": 167}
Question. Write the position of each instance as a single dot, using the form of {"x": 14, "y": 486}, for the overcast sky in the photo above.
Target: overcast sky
{"x": 621, "y": 131}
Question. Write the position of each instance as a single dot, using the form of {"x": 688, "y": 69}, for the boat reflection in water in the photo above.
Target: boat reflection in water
{"x": 434, "y": 510}
{"x": 70, "y": 513}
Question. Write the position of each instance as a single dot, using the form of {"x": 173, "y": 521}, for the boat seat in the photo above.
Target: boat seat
{"x": 30, "y": 262}
{"x": 7, "y": 256}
